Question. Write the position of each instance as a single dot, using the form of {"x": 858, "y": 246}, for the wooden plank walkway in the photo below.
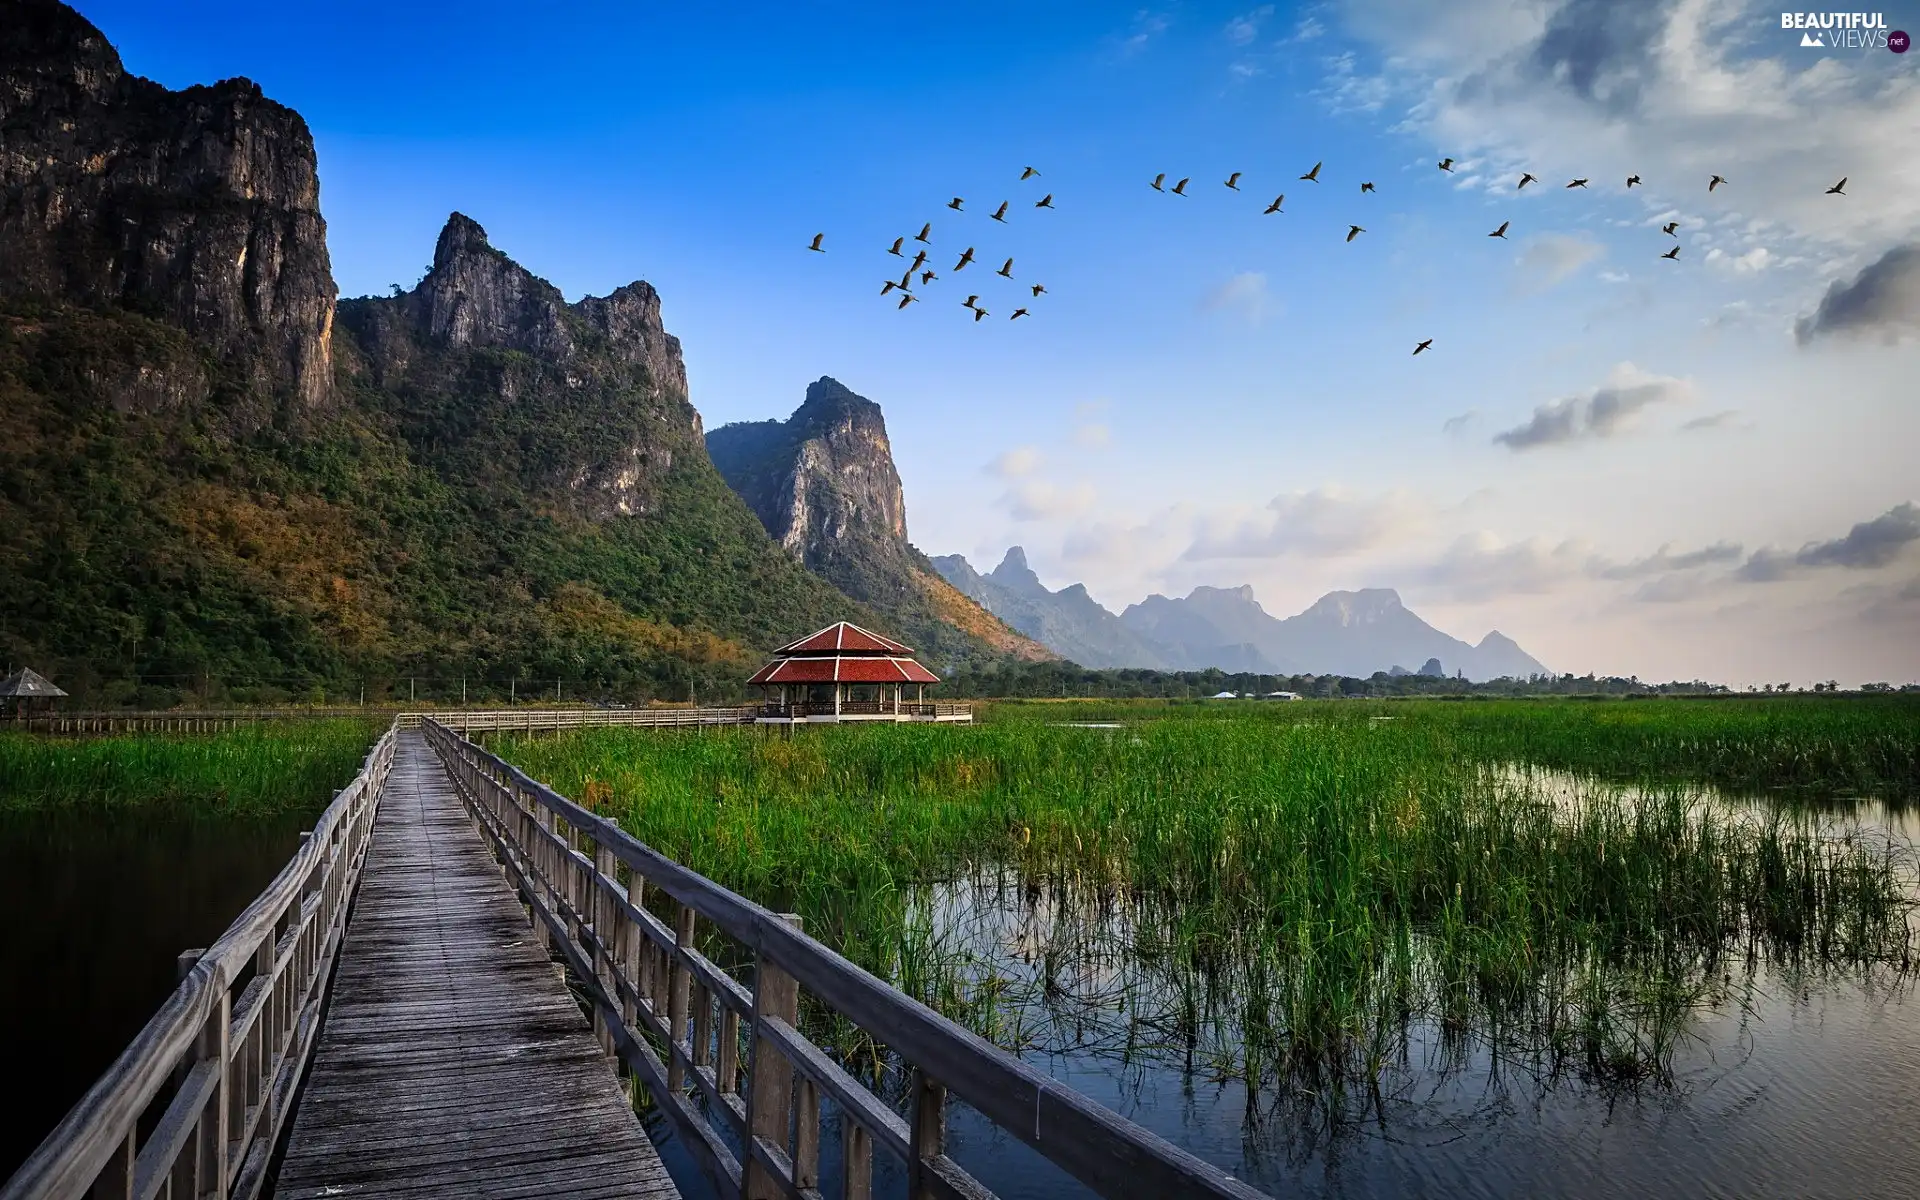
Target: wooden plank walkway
{"x": 453, "y": 1060}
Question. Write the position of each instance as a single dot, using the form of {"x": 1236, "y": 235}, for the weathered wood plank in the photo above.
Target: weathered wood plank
{"x": 453, "y": 1060}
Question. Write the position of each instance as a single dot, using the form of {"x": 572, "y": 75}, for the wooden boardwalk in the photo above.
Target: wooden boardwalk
{"x": 453, "y": 1060}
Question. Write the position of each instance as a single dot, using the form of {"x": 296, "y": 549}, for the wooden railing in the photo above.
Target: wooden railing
{"x": 649, "y": 987}
{"x": 858, "y": 708}
{"x": 545, "y": 719}
{"x": 164, "y": 720}
{"x": 227, "y": 1049}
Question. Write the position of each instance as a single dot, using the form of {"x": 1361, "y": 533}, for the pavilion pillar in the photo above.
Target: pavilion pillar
{"x": 836, "y": 700}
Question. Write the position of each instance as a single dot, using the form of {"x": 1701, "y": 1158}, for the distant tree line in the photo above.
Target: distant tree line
{"x": 1065, "y": 680}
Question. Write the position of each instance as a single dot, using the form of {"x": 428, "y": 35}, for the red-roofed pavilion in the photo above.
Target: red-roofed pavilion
{"x": 846, "y": 673}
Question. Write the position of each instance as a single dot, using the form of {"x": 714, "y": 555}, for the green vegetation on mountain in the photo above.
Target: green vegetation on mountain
{"x": 148, "y": 555}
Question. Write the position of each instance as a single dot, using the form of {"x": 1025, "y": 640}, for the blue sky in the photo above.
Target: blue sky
{"x": 1208, "y": 394}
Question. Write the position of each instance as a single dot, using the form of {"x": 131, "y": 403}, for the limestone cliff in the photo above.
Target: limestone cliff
{"x": 504, "y": 381}
{"x": 823, "y": 482}
{"x": 199, "y": 207}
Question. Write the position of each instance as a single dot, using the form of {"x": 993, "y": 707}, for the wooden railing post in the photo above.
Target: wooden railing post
{"x": 929, "y": 1132}
{"x": 856, "y": 1151}
{"x": 770, "y": 1076}
{"x": 605, "y": 938}
{"x": 216, "y": 1122}
{"x": 680, "y": 984}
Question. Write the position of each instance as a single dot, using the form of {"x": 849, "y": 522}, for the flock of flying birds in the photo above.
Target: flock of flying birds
{"x": 918, "y": 267}
{"x": 926, "y": 275}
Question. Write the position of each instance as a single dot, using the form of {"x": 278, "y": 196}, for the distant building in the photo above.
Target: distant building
{"x": 1224, "y": 696}
{"x": 1281, "y": 696}
{"x": 846, "y": 673}
{"x": 24, "y": 690}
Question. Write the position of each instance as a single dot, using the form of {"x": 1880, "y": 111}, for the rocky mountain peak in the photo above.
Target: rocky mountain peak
{"x": 46, "y": 42}
{"x": 201, "y": 207}
{"x": 1362, "y": 607}
{"x": 1013, "y": 572}
{"x": 824, "y": 485}
{"x": 476, "y": 296}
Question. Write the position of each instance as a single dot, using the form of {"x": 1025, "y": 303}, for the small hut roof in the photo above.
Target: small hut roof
{"x": 843, "y": 669}
{"x": 843, "y": 637}
{"x": 27, "y": 683}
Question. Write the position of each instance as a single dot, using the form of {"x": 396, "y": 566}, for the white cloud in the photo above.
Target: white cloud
{"x": 1016, "y": 463}
{"x": 1246, "y": 27}
{"x": 1038, "y": 500}
{"x": 1245, "y": 295}
{"x": 1610, "y": 409}
{"x": 1327, "y": 522}
{"x": 1671, "y": 90}
{"x": 1883, "y": 300}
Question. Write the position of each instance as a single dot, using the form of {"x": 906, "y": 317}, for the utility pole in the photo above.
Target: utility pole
{"x": 409, "y": 689}
{"x": 463, "y": 691}
{"x": 513, "y": 689}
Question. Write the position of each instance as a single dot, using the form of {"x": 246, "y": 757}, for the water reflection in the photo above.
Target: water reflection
{"x": 1769, "y": 1078}
{"x": 94, "y": 909}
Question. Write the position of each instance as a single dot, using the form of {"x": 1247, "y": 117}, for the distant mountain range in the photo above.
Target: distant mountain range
{"x": 1343, "y": 633}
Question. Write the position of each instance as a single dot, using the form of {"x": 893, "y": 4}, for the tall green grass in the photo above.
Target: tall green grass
{"x": 1277, "y": 896}
{"x": 272, "y": 767}
{"x": 1834, "y": 744}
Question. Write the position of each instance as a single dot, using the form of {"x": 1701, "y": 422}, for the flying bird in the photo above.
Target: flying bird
{"x": 1000, "y": 214}
{"x": 1233, "y": 181}
{"x": 955, "y": 204}
{"x": 1366, "y": 187}
{"x": 888, "y": 286}
{"x": 1838, "y": 189}
{"x": 1180, "y": 189}
{"x": 1039, "y": 289}
{"x": 1314, "y": 174}
{"x": 1423, "y": 345}
{"x": 1669, "y": 227}
{"x": 1354, "y": 231}
{"x": 1633, "y": 180}
{"x": 906, "y": 279}
{"x": 1017, "y": 314}
{"x": 1045, "y": 201}
{"x": 1006, "y": 269}
{"x": 1277, "y": 200}
{"x": 1157, "y": 181}
{"x": 1027, "y": 174}
{"x": 977, "y": 314}
{"x": 897, "y": 243}
{"x": 907, "y": 299}
{"x": 1578, "y": 183}
{"x": 1502, "y": 231}
{"x": 919, "y": 260}
{"x": 1445, "y": 164}
{"x": 816, "y": 243}
{"x": 964, "y": 259}
{"x": 928, "y": 277}
{"x": 968, "y": 302}
{"x": 924, "y": 231}
{"x": 1525, "y": 179}
{"x": 1715, "y": 182}
{"x": 1673, "y": 253}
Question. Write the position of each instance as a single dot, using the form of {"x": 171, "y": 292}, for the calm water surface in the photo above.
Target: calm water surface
{"x": 94, "y": 909}
{"x": 1785, "y": 1087}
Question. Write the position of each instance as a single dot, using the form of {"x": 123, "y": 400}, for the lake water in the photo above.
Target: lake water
{"x": 94, "y": 910}
{"x": 1783, "y": 1087}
